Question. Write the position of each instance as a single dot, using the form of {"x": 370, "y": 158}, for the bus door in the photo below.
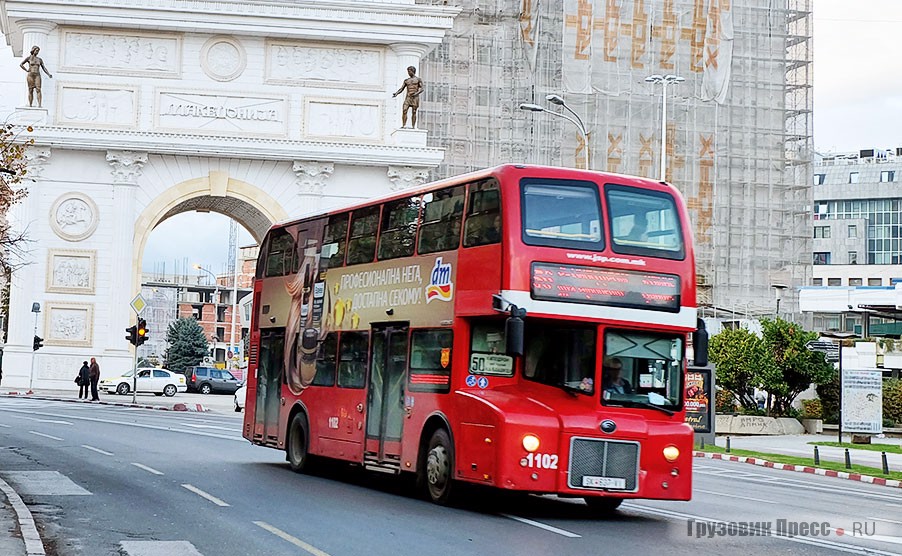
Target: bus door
{"x": 269, "y": 385}
{"x": 385, "y": 399}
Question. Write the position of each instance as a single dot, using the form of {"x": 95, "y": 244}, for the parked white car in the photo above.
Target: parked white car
{"x": 150, "y": 380}
{"x": 240, "y": 397}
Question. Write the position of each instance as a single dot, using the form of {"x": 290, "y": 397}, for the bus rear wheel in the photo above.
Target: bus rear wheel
{"x": 603, "y": 506}
{"x": 297, "y": 443}
{"x": 439, "y": 468}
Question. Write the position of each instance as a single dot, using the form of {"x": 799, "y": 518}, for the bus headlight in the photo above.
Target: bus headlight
{"x": 530, "y": 443}
{"x": 671, "y": 453}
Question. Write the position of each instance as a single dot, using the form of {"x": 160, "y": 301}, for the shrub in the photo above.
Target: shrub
{"x": 892, "y": 400}
{"x": 828, "y": 392}
{"x": 724, "y": 402}
{"x": 812, "y": 409}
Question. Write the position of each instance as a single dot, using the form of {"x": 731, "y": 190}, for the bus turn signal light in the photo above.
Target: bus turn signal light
{"x": 530, "y": 443}
{"x": 671, "y": 453}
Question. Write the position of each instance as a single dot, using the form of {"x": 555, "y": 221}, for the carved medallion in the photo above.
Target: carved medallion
{"x": 74, "y": 216}
{"x": 223, "y": 58}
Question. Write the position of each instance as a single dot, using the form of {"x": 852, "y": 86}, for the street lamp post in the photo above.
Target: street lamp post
{"x": 664, "y": 80}
{"x": 572, "y": 117}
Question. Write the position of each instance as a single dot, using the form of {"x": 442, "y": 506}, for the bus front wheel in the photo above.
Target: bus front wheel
{"x": 439, "y": 468}
{"x": 297, "y": 443}
{"x": 602, "y": 506}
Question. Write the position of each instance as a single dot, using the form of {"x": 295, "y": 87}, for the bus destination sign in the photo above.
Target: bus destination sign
{"x": 597, "y": 286}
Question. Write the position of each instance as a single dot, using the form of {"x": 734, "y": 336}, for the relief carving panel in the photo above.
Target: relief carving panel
{"x": 69, "y": 324}
{"x": 70, "y": 271}
{"x": 231, "y": 114}
{"x": 57, "y": 367}
{"x": 97, "y": 105}
{"x": 74, "y": 216}
{"x": 359, "y": 120}
{"x": 121, "y": 53}
{"x": 340, "y": 67}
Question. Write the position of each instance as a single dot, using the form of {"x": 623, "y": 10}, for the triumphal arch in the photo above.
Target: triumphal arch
{"x": 259, "y": 110}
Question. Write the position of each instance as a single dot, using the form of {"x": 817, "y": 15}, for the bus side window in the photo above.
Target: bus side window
{"x": 353, "y": 347}
{"x": 399, "y": 228}
{"x": 280, "y": 253}
{"x": 483, "y": 224}
{"x": 362, "y": 242}
{"x": 430, "y": 360}
{"x": 325, "y": 361}
{"x": 332, "y": 252}
{"x": 442, "y": 214}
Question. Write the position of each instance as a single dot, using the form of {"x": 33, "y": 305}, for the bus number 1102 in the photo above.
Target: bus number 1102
{"x": 541, "y": 461}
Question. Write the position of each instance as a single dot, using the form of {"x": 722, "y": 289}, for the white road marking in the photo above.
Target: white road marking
{"x": 230, "y": 429}
{"x": 838, "y": 546}
{"x": 203, "y": 494}
{"x": 542, "y": 526}
{"x": 735, "y": 496}
{"x": 886, "y": 520}
{"x": 46, "y": 435}
{"x": 5, "y": 426}
{"x": 148, "y": 469}
{"x": 43, "y": 483}
{"x": 98, "y": 450}
{"x": 34, "y": 546}
{"x": 54, "y": 421}
{"x": 159, "y": 548}
{"x": 876, "y": 538}
{"x": 293, "y": 540}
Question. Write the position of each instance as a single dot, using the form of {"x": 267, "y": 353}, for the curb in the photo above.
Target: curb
{"x": 802, "y": 469}
{"x": 175, "y": 407}
{"x": 34, "y": 546}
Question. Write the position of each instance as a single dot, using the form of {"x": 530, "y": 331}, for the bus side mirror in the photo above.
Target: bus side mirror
{"x": 513, "y": 332}
{"x": 700, "y": 344}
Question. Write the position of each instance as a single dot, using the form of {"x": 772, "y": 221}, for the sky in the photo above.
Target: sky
{"x": 857, "y": 105}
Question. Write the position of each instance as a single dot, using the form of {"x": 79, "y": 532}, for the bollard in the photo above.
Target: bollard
{"x": 885, "y": 464}
{"x": 848, "y": 460}
{"x": 703, "y": 444}
{"x": 728, "y": 444}
{"x": 817, "y": 456}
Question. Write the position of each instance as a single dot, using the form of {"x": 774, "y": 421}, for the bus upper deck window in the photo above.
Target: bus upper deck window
{"x": 280, "y": 253}
{"x": 362, "y": 241}
{"x": 483, "y": 225}
{"x": 442, "y": 213}
{"x": 332, "y": 252}
{"x": 644, "y": 222}
{"x": 399, "y": 228}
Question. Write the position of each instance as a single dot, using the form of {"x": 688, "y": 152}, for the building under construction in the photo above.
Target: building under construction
{"x": 738, "y": 137}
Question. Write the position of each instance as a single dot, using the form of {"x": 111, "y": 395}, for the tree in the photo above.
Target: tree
{"x": 13, "y": 169}
{"x": 187, "y": 344}
{"x": 740, "y": 360}
{"x": 791, "y": 368}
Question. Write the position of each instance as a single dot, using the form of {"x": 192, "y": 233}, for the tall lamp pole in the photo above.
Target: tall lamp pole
{"x": 664, "y": 80}
{"x": 572, "y": 117}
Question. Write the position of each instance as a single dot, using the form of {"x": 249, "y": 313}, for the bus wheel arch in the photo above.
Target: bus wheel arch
{"x": 436, "y": 467}
{"x": 297, "y": 444}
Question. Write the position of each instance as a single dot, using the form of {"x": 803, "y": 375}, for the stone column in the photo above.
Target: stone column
{"x": 126, "y": 167}
{"x": 311, "y": 180}
{"x": 35, "y": 33}
{"x": 405, "y": 177}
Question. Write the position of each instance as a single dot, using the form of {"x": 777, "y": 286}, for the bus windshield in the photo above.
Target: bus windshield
{"x": 644, "y": 223}
{"x": 642, "y": 370}
{"x": 561, "y": 354}
{"x": 561, "y": 213}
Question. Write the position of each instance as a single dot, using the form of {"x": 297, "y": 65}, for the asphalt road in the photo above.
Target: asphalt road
{"x": 105, "y": 480}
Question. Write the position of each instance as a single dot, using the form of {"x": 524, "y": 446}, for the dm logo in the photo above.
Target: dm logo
{"x": 440, "y": 286}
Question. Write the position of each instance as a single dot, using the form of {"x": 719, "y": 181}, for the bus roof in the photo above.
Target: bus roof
{"x": 558, "y": 171}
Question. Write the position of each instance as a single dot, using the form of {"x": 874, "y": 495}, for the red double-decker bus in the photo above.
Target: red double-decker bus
{"x": 521, "y": 327}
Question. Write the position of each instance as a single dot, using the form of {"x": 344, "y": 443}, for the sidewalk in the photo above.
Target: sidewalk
{"x": 143, "y": 400}
{"x": 799, "y": 446}
{"x": 18, "y": 533}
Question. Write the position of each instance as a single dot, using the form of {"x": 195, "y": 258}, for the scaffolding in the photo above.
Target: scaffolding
{"x": 739, "y": 129}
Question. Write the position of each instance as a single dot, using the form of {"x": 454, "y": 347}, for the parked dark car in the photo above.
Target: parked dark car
{"x": 208, "y": 380}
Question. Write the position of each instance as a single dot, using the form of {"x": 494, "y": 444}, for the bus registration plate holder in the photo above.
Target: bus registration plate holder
{"x": 604, "y": 482}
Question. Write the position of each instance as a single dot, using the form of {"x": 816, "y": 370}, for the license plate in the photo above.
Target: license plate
{"x": 604, "y": 482}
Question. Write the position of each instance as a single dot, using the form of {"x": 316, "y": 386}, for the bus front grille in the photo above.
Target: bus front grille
{"x": 603, "y": 465}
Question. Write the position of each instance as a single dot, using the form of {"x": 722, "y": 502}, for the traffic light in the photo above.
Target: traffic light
{"x": 132, "y": 335}
{"x": 38, "y": 342}
{"x": 142, "y": 332}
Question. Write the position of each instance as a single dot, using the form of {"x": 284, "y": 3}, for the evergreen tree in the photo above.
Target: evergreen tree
{"x": 187, "y": 344}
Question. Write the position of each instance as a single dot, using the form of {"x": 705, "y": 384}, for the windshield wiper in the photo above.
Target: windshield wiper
{"x": 648, "y": 406}
{"x": 572, "y": 390}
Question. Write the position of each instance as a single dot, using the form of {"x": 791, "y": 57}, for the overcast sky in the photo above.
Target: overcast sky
{"x": 857, "y": 104}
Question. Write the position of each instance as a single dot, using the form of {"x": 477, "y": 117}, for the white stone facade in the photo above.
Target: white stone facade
{"x": 158, "y": 107}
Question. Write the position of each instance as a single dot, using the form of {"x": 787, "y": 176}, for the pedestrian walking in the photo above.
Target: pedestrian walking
{"x": 94, "y": 372}
{"x": 83, "y": 380}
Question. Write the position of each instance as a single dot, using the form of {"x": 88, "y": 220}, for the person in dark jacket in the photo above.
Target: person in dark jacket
{"x": 94, "y": 372}
{"x": 84, "y": 375}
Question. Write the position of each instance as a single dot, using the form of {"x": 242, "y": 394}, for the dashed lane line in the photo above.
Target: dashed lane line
{"x": 886, "y": 520}
{"x": 735, "y": 496}
{"x": 148, "y": 469}
{"x": 203, "y": 494}
{"x": 156, "y": 548}
{"x": 293, "y": 540}
{"x": 98, "y": 450}
{"x": 5, "y": 426}
{"x": 46, "y": 435}
{"x": 541, "y": 525}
